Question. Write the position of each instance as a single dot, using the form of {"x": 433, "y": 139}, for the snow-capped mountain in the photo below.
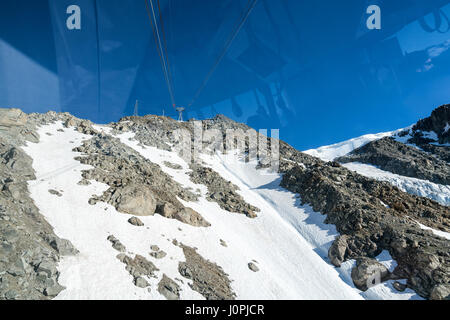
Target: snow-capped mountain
{"x": 118, "y": 212}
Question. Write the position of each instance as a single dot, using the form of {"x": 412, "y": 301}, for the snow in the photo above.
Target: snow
{"x": 439, "y": 233}
{"x": 331, "y": 152}
{"x": 289, "y": 241}
{"x": 422, "y": 188}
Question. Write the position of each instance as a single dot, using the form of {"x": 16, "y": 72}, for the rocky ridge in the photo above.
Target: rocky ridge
{"x": 371, "y": 216}
{"x": 393, "y": 156}
{"x": 29, "y": 249}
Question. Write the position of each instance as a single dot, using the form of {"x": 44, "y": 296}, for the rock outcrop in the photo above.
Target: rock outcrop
{"x": 391, "y": 155}
{"x": 222, "y": 191}
{"x": 355, "y": 205}
{"x": 136, "y": 185}
{"x": 29, "y": 249}
{"x": 208, "y": 278}
{"x": 368, "y": 273}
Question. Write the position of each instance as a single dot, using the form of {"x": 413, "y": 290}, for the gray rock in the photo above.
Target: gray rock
{"x": 55, "y": 192}
{"x": 116, "y": 244}
{"x": 169, "y": 288}
{"x": 337, "y": 251}
{"x": 393, "y": 156}
{"x": 141, "y": 282}
{"x": 135, "y": 222}
{"x": 222, "y": 191}
{"x": 368, "y": 273}
{"x": 172, "y": 165}
{"x": 137, "y": 186}
{"x": 253, "y": 267}
{"x": 138, "y": 266}
{"x": 54, "y": 290}
{"x": 12, "y": 117}
{"x": 158, "y": 254}
{"x": 11, "y": 295}
{"x": 48, "y": 268}
{"x": 440, "y": 292}
{"x": 136, "y": 200}
{"x": 64, "y": 247}
{"x": 208, "y": 278}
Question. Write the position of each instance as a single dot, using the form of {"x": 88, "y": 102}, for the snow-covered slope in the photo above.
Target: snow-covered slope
{"x": 287, "y": 242}
{"x": 333, "y": 151}
{"x": 422, "y": 188}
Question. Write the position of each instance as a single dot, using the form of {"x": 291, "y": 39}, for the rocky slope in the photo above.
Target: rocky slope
{"x": 137, "y": 173}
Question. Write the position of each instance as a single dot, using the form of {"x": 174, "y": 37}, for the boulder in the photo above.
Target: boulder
{"x": 141, "y": 282}
{"x": 136, "y": 200}
{"x": 116, "y": 244}
{"x": 63, "y": 246}
{"x": 253, "y": 267}
{"x": 12, "y": 118}
{"x": 54, "y": 290}
{"x": 192, "y": 217}
{"x": 158, "y": 254}
{"x": 337, "y": 251}
{"x": 135, "y": 222}
{"x": 169, "y": 288}
{"x": 368, "y": 273}
{"x": 185, "y": 215}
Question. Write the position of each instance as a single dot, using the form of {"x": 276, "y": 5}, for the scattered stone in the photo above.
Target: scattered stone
{"x": 253, "y": 267}
{"x": 116, "y": 244}
{"x": 154, "y": 247}
{"x": 139, "y": 266}
{"x": 169, "y": 288}
{"x": 158, "y": 254}
{"x": 223, "y": 243}
{"x": 171, "y": 165}
{"x": 186, "y": 215}
{"x": 63, "y": 246}
{"x": 55, "y": 192}
{"x": 135, "y": 222}
{"x": 84, "y": 182}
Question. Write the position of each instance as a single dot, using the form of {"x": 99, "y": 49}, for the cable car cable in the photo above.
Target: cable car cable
{"x": 228, "y": 43}
{"x": 159, "y": 47}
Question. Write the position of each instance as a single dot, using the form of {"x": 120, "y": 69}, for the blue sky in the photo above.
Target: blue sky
{"x": 308, "y": 68}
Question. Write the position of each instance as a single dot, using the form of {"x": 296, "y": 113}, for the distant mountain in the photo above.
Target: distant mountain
{"x": 118, "y": 212}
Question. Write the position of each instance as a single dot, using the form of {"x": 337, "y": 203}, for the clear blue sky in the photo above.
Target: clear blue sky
{"x": 310, "y": 68}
